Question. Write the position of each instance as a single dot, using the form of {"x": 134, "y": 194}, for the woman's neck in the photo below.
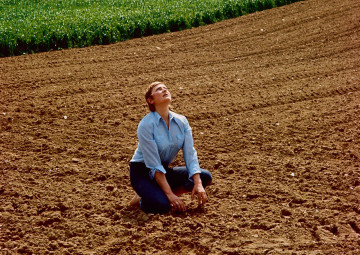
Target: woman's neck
{"x": 164, "y": 113}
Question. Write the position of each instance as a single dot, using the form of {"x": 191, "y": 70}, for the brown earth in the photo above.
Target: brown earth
{"x": 274, "y": 102}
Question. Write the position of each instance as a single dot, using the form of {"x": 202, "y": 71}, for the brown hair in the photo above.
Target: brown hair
{"x": 149, "y": 92}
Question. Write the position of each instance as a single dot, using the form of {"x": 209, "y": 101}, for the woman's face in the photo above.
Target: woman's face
{"x": 160, "y": 95}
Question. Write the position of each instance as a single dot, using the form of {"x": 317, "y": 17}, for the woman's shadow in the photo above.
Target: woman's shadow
{"x": 135, "y": 216}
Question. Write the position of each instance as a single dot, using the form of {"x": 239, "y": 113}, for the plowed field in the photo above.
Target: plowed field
{"x": 274, "y": 102}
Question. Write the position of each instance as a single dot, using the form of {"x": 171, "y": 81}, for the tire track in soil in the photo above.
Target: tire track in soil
{"x": 283, "y": 150}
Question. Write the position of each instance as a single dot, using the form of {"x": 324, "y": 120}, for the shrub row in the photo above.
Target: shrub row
{"x": 28, "y": 26}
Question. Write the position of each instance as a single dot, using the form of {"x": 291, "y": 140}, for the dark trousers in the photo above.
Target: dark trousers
{"x": 153, "y": 199}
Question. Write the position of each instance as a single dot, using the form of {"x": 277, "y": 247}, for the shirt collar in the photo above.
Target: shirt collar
{"x": 158, "y": 117}
{"x": 171, "y": 116}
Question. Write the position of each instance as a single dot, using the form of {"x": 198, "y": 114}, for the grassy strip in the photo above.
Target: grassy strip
{"x": 28, "y": 26}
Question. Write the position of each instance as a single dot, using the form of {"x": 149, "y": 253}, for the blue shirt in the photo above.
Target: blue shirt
{"x": 159, "y": 145}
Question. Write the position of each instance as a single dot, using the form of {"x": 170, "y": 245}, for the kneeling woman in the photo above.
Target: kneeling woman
{"x": 161, "y": 134}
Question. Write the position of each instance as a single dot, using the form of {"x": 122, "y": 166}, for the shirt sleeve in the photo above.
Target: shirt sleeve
{"x": 189, "y": 152}
{"x": 149, "y": 149}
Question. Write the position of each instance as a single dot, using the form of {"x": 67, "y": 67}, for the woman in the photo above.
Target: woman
{"x": 161, "y": 134}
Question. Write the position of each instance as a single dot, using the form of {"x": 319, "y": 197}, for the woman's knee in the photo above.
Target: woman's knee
{"x": 159, "y": 205}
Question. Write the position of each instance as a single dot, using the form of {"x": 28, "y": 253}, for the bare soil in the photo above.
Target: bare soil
{"x": 274, "y": 102}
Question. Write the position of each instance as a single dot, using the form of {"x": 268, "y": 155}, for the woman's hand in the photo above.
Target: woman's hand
{"x": 176, "y": 203}
{"x": 200, "y": 192}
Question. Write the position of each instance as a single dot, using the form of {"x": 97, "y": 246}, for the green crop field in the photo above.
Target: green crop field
{"x": 28, "y": 26}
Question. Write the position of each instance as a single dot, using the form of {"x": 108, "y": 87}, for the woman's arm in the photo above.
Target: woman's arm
{"x": 189, "y": 152}
{"x": 149, "y": 149}
{"x": 192, "y": 164}
{"x": 175, "y": 201}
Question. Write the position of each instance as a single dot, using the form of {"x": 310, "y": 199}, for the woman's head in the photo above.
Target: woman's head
{"x": 156, "y": 94}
